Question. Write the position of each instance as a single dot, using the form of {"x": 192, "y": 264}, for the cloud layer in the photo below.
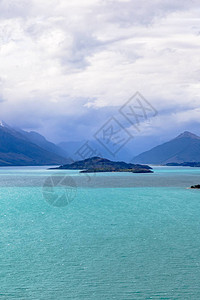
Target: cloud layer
{"x": 64, "y": 64}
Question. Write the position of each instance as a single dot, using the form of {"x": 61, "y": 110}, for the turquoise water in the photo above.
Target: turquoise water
{"x": 124, "y": 236}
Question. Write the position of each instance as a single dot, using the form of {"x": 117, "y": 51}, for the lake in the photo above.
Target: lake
{"x": 66, "y": 235}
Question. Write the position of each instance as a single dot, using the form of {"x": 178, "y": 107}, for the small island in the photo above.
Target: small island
{"x": 98, "y": 164}
{"x": 197, "y": 186}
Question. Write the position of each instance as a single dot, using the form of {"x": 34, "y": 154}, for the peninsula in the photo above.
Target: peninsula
{"x": 185, "y": 164}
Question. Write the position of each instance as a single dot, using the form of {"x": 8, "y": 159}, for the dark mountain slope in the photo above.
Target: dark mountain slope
{"x": 16, "y": 149}
{"x": 184, "y": 148}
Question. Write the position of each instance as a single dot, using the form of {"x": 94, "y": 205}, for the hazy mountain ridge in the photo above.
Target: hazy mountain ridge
{"x": 73, "y": 148}
{"x": 42, "y": 142}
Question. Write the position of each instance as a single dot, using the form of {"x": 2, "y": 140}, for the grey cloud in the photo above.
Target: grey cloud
{"x": 63, "y": 64}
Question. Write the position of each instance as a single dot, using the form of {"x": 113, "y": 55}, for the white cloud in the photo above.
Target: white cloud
{"x": 58, "y": 58}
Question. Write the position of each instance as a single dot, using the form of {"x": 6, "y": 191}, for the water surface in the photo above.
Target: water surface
{"x": 124, "y": 236}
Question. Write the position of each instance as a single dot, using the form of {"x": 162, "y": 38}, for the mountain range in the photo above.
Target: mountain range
{"x": 183, "y": 148}
{"x": 21, "y": 148}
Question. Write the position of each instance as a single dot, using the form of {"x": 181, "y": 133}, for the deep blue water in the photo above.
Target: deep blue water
{"x": 117, "y": 236}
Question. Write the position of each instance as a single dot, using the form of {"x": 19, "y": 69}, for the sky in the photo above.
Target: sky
{"x": 66, "y": 67}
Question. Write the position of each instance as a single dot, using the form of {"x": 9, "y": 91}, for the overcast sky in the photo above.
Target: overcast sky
{"x": 66, "y": 66}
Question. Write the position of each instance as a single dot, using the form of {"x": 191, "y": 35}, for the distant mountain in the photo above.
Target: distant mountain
{"x": 184, "y": 148}
{"x": 73, "y": 147}
{"x": 16, "y": 149}
{"x": 98, "y": 164}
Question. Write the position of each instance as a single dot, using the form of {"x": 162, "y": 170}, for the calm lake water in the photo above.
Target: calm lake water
{"x": 104, "y": 236}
